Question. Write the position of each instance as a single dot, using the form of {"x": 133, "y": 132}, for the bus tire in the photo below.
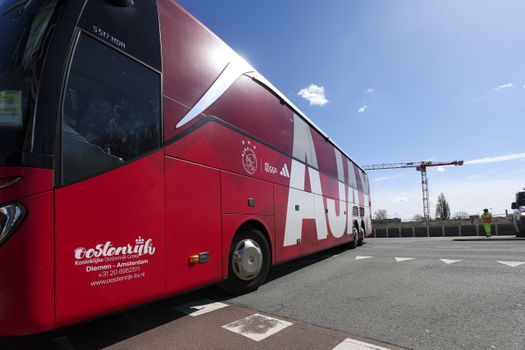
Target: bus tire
{"x": 361, "y": 237}
{"x": 353, "y": 244}
{"x": 248, "y": 262}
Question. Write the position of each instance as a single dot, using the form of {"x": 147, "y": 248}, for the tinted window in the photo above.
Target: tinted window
{"x": 325, "y": 154}
{"x": 365, "y": 182}
{"x": 111, "y": 111}
{"x": 352, "y": 180}
{"x": 26, "y": 31}
{"x": 359, "y": 178}
{"x": 303, "y": 149}
{"x": 133, "y": 29}
{"x": 521, "y": 199}
{"x": 252, "y": 108}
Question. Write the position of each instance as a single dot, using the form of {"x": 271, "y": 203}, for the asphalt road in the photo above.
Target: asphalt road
{"x": 424, "y": 303}
{"x": 401, "y": 295}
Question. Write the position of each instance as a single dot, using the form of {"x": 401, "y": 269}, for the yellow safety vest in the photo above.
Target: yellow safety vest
{"x": 487, "y": 218}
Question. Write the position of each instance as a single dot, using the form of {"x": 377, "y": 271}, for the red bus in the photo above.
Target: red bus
{"x": 141, "y": 157}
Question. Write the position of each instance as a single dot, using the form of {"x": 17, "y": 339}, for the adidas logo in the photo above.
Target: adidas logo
{"x": 284, "y": 171}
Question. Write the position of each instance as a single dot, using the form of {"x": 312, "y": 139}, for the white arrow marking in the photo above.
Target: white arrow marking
{"x": 403, "y": 259}
{"x": 512, "y": 263}
{"x": 352, "y": 344}
{"x": 363, "y": 257}
{"x": 448, "y": 261}
{"x": 200, "y": 307}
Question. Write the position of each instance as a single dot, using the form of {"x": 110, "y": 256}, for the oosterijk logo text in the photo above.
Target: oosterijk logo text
{"x": 141, "y": 247}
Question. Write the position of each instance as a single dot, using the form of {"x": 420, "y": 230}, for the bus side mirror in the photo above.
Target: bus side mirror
{"x": 513, "y": 205}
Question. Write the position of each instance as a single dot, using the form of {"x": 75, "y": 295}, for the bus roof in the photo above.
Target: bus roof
{"x": 266, "y": 83}
{"x": 234, "y": 69}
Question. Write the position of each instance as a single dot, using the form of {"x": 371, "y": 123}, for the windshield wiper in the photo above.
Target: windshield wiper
{"x": 26, "y": 4}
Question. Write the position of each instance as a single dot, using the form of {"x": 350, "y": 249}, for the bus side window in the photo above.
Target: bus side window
{"x": 365, "y": 182}
{"x": 303, "y": 148}
{"x": 111, "y": 111}
{"x": 352, "y": 180}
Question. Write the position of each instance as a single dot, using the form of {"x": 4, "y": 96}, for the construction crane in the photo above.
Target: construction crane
{"x": 421, "y": 167}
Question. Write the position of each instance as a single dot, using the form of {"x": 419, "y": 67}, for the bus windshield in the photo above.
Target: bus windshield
{"x": 521, "y": 199}
{"x": 26, "y": 28}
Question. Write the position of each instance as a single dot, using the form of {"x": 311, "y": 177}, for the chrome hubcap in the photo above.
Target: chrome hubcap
{"x": 247, "y": 259}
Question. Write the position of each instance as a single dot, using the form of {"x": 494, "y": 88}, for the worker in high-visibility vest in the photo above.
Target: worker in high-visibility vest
{"x": 487, "y": 220}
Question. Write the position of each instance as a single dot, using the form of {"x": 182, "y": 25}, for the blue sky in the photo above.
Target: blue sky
{"x": 397, "y": 81}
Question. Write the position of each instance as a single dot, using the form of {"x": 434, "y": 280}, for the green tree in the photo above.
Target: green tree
{"x": 380, "y": 215}
{"x": 442, "y": 208}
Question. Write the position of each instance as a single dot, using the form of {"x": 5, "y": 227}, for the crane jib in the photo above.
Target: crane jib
{"x": 420, "y": 166}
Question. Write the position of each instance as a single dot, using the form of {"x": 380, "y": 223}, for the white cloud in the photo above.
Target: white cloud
{"x": 401, "y": 200}
{"x": 524, "y": 86}
{"x": 370, "y": 90}
{"x": 362, "y": 109}
{"x": 441, "y": 169}
{"x": 314, "y": 94}
{"x": 496, "y": 159}
{"x": 503, "y": 86}
{"x": 494, "y": 90}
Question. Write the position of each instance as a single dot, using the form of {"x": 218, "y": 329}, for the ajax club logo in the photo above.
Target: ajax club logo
{"x": 249, "y": 159}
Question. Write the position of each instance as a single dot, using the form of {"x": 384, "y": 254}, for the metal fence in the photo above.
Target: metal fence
{"x": 498, "y": 229}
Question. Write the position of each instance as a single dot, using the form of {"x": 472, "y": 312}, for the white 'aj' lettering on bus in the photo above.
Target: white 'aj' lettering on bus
{"x": 310, "y": 205}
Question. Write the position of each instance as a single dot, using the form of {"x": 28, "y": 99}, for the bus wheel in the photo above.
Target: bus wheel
{"x": 249, "y": 261}
{"x": 361, "y": 237}
{"x": 353, "y": 244}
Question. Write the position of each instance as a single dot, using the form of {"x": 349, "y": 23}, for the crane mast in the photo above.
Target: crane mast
{"x": 422, "y": 168}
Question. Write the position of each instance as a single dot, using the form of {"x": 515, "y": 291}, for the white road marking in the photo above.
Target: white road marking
{"x": 403, "y": 259}
{"x": 352, "y": 344}
{"x": 448, "y": 261}
{"x": 363, "y": 257}
{"x": 200, "y": 307}
{"x": 257, "y": 327}
{"x": 512, "y": 263}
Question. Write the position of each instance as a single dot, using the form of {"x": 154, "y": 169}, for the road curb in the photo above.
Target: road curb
{"x": 492, "y": 239}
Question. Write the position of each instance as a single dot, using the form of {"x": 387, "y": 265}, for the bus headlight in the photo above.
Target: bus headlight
{"x": 11, "y": 216}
